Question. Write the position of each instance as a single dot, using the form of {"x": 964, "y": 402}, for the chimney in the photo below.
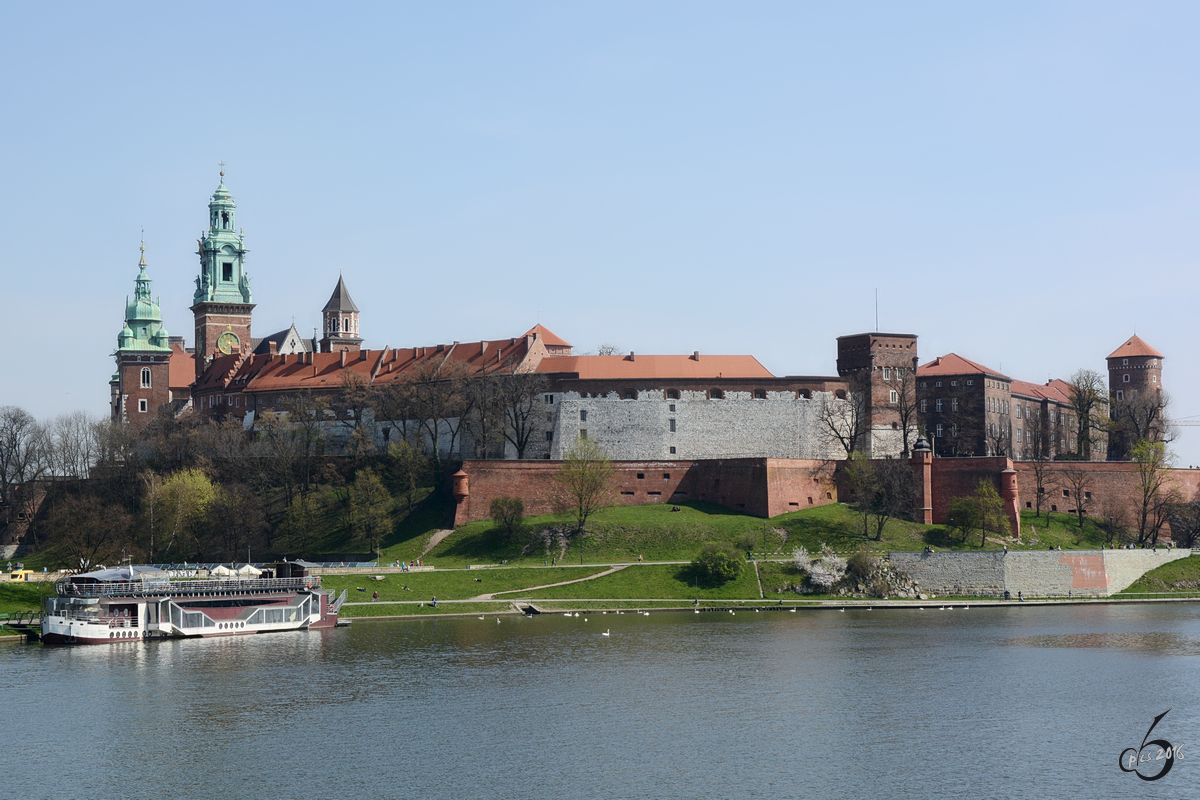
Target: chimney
{"x": 343, "y": 358}
{"x": 695, "y": 355}
{"x": 631, "y": 355}
{"x": 272, "y": 348}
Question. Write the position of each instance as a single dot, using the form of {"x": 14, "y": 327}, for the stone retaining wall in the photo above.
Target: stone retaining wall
{"x": 1085, "y": 573}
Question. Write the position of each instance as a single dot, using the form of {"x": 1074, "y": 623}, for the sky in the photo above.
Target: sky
{"x": 1017, "y": 182}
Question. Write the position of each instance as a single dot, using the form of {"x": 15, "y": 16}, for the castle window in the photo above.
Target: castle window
{"x": 1154, "y": 379}
{"x": 142, "y": 405}
{"x": 583, "y": 416}
{"x": 641, "y": 476}
{"x": 387, "y": 435}
{"x": 549, "y": 399}
{"x": 840, "y": 394}
{"x": 937, "y": 405}
{"x": 939, "y": 431}
{"x": 227, "y": 271}
{"x": 1120, "y": 394}
{"x": 954, "y": 404}
{"x": 716, "y": 394}
{"x": 759, "y": 394}
{"x": 630, "y": 394}
{"x": 1018, "y": 410}
{"x": 672, "y": 394}
{"x": 671, "y": 408}
{"x": 970, "y": 383}
{"x": 672, "y": 426}
{"x": 1125, "y": 378}
{"x": 1066, "y": 492}
{"x": 145, "y": 377}
{"x": 937, "y": 385}
{"x": 893, "y": 396}
{"x": 924, "y": 406}
{"x": 666, "y": 476}
{"x": 583, "y": 433}
{"x": 887, "y": 373}
{"x": 954, "y": 383}
{"x": 1124, "y": 362}
{"x": 549, "y": 436}
{"x": 672, "y": 451}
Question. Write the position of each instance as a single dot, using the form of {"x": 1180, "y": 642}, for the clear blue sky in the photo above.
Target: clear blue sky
{"x": 1018, "y": 180}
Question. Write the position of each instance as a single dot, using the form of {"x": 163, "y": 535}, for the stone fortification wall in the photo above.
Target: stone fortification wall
{"x": 781, "y": 425}
{"x": 1055, "y": 573}
{"x": 765, "y": 487}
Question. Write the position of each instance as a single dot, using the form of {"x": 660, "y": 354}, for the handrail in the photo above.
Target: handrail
{"x": 67, "y": 589}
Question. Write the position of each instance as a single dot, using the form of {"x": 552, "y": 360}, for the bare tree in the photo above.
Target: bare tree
{"x": 439, "y": 403}
{"x": 999, "y": 438}
{"x": 1184, "y": 519}
{"x": 904, "y": 383}
{"x": 1138, "y": 416}
{"x": 519, "y": 393}
{"x": 1088, "y": 396}
{"x": 1078, "y": 479}
{"x": 1040, "y": 452}
{"x": 843, "y": 418}
{"x": 485, "y": 421}
{"x": 354, "y": 398}
{"x": 24, "y": 452}
{"x": 73, "y": 444}
{"x": 85, "y": 531}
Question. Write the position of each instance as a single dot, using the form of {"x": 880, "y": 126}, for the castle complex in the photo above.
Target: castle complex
{"x": 637, "y": 407}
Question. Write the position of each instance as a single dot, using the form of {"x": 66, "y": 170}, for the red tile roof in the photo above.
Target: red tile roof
{"x": 954, "y": 364}
{"x": 548, "y": 337}
{"x": 1135, "y": 347}
{"x": 656, "y": 367}
{"x": 181, "y": 369}
{"x": 1056, "y": 391}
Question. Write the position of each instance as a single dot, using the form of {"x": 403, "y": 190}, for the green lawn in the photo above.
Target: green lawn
{"x": 450, "y": 585}
{"x": 653, "y": 581}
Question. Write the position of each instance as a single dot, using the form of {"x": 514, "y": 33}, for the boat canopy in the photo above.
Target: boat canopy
{"x": 130, "y": 574}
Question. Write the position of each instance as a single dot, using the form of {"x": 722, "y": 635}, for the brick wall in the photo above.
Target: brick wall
{"x": 764, "y": 487}
{"x": 958, "y": 477}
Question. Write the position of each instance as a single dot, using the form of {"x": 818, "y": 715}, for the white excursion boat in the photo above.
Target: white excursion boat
{"x": 124, "y": 604}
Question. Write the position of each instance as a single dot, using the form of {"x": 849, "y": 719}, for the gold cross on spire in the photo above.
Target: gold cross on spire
{"x": 221, "y": 164}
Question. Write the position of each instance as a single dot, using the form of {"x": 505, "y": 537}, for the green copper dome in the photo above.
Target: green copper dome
{"x": 143, "y": 331}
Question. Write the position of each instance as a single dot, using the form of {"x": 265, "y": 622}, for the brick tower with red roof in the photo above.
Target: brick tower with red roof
{"x": 1133, "y": 368}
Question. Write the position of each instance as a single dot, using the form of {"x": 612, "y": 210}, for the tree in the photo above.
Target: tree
{"x": 1138, "y": 416}
{"x": 1087, "y": 396}
{"x": 291, "y": 440}
{"x": 1078, "y": 480}
{"x": 904, "y": 383}
{"x": 299, "y": 524}
{"x": 1155, "y": 495}
{"x": 438, "y": 401}
{"x": 234, "y": 522}
{"x": 185, "y": 497}
{"x": 370, "y": 508}
{"x": 718, "y": 562}
{"x": 508, "y": 514}
{"x": 982, "y": 510}
{"x": 519, "y": 393}
{"x": 1039, "y": 450}
{"x": 86, "y": 531}
{"x": 584, "y": 481}
{"x": 883, "y": 489}
{"x": 843, "y": 419}
{"x": 1184, "y": 519}
{"x": 353, "y": 400}
{"x": 485, "y": 420}
{"x": 24, "y": 454}
{"x": 74, "y": 444}
{"x": 999, "y": 438}
{"x": 407, "y": 468}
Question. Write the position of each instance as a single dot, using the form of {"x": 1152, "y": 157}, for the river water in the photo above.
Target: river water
{"x": 1020, "y": 701}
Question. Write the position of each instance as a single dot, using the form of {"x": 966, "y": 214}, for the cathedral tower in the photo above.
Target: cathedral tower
{"x": 340, "y": 321}
{"x": 221, "y": 304}
{"x": 142, "y": 381}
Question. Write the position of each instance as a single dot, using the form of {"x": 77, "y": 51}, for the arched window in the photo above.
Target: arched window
{"x": 145, "y": 377}
{"x": 716, "y": 394}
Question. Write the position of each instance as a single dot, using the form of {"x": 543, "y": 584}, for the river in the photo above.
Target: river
{"x": 1020, "y": 701}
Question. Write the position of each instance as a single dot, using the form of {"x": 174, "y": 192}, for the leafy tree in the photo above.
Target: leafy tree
{"x": 299, "y": 524}
{"x": 584, "y": 481}
{"x": 184, "y": 498}
{"x": 982, "y": 510}
{"x": 508, "y": 514}
{"x": 371, "y": 505}
{"x": 883, "y": 488}
{"x": 408, "y": 468}
{"x": 718, "y": 562}
{"x": 1155, "y": 495}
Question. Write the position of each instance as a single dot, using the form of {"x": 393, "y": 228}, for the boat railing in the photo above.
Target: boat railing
{"x": 96, "y": 619}
{"x": 142, "y": 588}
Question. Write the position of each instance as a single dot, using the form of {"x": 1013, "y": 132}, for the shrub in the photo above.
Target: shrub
{"x": 861, "y": 565}
{"x": 718, "y": 563}
{"x": 508, "y": 513}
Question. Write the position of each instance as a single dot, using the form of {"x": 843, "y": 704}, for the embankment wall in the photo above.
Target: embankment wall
{"x": 1050, "y": 573}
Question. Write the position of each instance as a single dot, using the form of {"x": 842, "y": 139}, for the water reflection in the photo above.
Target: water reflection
{"x": 869, "y": 704}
